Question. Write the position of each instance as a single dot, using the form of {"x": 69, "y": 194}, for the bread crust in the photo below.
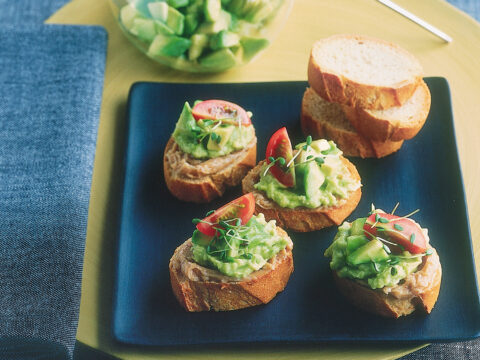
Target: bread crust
{"x": 340, "y": 89}
{"x": 302, "y": 219}
{"x": 392, "y": 303}
{"x": 199, "y": 181}
{"x": 373, "y": 125}
{"x": 351, "y": 142}
{"x": 221, "y": 293}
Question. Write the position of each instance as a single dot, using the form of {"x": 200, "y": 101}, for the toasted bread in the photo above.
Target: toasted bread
{"x": 419, "y": 291}
{"x": 201, "y": 181}
{"x": 394, "y": 124}
{"x": 302, "y": 219}
{"x": 322, "y": 119}
{"x": 361, "y": 71}
{"x": 201, "y": 289}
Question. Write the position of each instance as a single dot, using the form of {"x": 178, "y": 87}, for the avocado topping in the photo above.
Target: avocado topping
{"x": 379, "y": 263}
{"x": 206, "y": 138}
{"x": 321, "y": 178}
{"x": 238, "y": 250}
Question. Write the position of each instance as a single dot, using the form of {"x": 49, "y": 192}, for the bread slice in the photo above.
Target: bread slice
{"x": 419, "y": 291}
{"x": 395, "y": 124}
{"x": 201, "y": 181}
{"x": 363, "y": 72}
{"x": 198, "y": 288}
{"x": 301, "y": 219}
{"x": 326, "y": 120}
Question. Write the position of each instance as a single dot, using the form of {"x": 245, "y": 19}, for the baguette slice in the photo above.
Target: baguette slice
{"x": 395, "y": 124}
{"x": 323, "y": 119}
{"x": 201, "y": 289}
{"x": 301, "y": 219}
{"x": 363, "y": 72}
{"x": 201, "y": 181}
{"x": 419, "y": 291}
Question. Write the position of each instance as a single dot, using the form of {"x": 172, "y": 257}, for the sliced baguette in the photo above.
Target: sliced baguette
{"x": 301, "y": 219}
{"x": 363, "y": 72}
{"x": 198, "y": 288}
{"x": 201, "y": 181}
{"x": 419, "y": 291}
{"x": 395, "y": 124}
{"x": 323, "y": 119}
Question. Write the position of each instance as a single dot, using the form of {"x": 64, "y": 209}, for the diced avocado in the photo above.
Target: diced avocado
{"x": 175, "y": 20}
{"x": 224, "y": 134}
{"x": 168, "y": 46}
{"x": 244, "y": 28}
{"x": 259, "y": 12}
{"x": 320, "y": 145}
{"x": 222, "y": 23}
{"x": 158, "y": 10}
{"x": 212, "y": 10}
{"x": 243, "y": 7}
{"x": 313, "y": 179}
{"x": 195, "y": 7}
{"x": 163, "y": 29}
{"x": 372, "y": 251}
{"x": 200, "y": 238}
{"x": 128, "y": 14}
{"x": 251, "y": 46}
{"x": 357, "y": 226}
{"x": 177, "y": 3}
{"x": 224, "y": 39}
{"x": 219, "y": 60}
{"x": 354, "y": 242}
{"x": 144, "y": 29}
{"x": 199, "y": 42}
{"x": 191, "y": 23}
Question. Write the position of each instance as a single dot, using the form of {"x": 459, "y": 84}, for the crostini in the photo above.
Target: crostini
{"x": 304, "y": 190}
{"x": 384, "y": 264}
{"x": 212, "y": 148}
{"x": 233, "y": 260}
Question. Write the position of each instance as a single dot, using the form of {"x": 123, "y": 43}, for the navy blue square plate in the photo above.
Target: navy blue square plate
{"x": 424, "y": 174}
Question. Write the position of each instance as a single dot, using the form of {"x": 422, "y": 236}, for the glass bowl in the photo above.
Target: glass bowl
{"x": 201, "y": 35}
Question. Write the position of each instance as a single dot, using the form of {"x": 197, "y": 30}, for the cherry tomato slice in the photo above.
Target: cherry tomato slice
{"x": 241, "y": 208}
{"x": 279, "y": 146}
{"x": 221, "y": 109}
{"x": 402, "y": 231}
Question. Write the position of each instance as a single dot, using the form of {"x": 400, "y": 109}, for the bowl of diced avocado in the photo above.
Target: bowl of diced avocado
{"x": 201, "y": 35}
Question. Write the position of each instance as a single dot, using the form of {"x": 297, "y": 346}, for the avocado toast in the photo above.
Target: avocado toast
{"x": 233, "y": 260}
{"x": 306, "y": 190}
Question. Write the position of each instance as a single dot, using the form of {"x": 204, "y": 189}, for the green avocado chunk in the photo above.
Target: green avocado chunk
{"x": 224, "y": 39}
{"x": 372, "y": 251}
{"x": 212, "y": 10}
{"x": 357, "y": 226}
{"x": 175, "y": 20}
{"x": 220, "y": 59}
{"x": 158, "y": 10}
{"x": 144, "y": 29}
{"x": 354, "y": 242}
{"x": 199, "y": 43}
{"x": 251, "y": 46}
{"x": 168, "y": 46}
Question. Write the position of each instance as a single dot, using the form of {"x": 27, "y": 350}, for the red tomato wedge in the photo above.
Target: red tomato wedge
{"x": 401, "y": 231}
{"x": 279, "y": 146}
{"x": 221, "y": 109}
{"x": 241, "y": 208}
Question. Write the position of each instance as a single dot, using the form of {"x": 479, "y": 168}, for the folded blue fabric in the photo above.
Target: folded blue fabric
{"x": 50, "y": 89}
{"x": 28, "y": 11}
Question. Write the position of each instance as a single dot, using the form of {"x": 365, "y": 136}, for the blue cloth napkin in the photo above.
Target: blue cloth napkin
{"x": 28, "y": 11}
{"x": 50, "y": 94}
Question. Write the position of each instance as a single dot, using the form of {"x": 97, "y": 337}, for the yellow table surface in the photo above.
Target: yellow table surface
{"x": 286, "y": 59}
